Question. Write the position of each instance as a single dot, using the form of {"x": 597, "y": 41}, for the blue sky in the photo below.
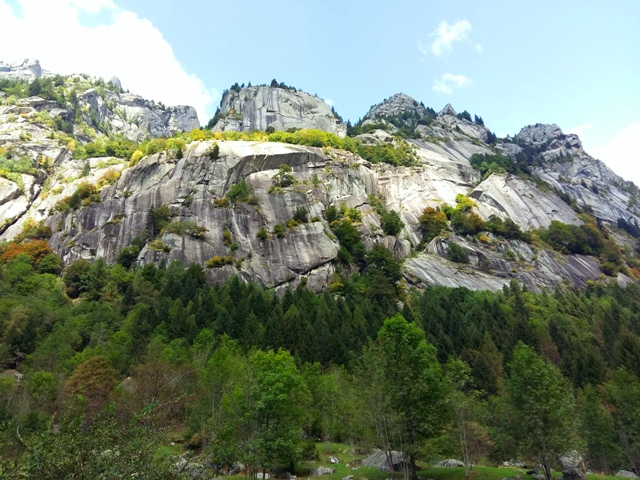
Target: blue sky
{"x": 574, "y": 63}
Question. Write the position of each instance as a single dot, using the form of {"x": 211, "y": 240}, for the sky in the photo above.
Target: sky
{"x": 575, "y": 63}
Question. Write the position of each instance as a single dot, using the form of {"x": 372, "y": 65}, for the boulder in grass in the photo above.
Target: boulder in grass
{"x": 450, "y": 462}
{"x": 319, "y": 471}
{"x": 626, "y": 474}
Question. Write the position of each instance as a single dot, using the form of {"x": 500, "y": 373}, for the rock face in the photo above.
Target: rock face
{"x": 508, "y": 196}
{"x": 255, "y": 238}
{"x": 105, "y": 109}
{"x": 134, "y": 117}
{"x": 26, "y": 70}
{"x": 398, "y": 104}
{"x": 257, "y": 108}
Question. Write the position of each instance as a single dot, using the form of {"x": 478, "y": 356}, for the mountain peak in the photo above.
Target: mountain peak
{"x": 397, "y": 104}
{"x": 261, "y": 107}
{"x": 447, "y": 110}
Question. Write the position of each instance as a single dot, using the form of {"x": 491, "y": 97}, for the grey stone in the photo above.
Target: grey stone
{"x": 256, "y": 108}
{"x": 626, "y": 474}
{"x": 451, "y": 462}
{"x": 570, "y": 459}
{"x": 28, "y": 69}
{"x": 396, "y": 105}
{"x": 572, "y": 473}
{"x": 319, "y": 471}
{"x": 379, "y": 459}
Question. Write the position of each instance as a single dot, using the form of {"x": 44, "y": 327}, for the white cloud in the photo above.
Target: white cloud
{"x": 622, "y": 153}
{"x": 122, "y": 44}
{"x": 580, "y": 129}
{"x": 447, "y": 82}
{"x": 446, "y": 34}
{"x": 479, "y": 48}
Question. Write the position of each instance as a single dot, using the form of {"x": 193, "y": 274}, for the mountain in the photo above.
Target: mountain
{"x": 455, "y": 204}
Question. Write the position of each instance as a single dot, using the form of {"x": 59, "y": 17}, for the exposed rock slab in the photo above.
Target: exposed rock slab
{"x": 508, "y": 196}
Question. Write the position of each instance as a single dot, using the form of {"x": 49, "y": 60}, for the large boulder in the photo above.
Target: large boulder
{"x": 572, "y": 473}
{"x": 379, "y": 459}
{"x": 626, "y": 474}
{"x": 570, "y": 459}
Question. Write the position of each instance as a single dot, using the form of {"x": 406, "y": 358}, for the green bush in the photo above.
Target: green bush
{"x": 301, "y": 215}
{"x": 457, "y": 253}
{"x": 391, "y": 223}
{"x": 433, "y": 222}
{"x": 278, "y": 230}
{"x": 241, "y": 192}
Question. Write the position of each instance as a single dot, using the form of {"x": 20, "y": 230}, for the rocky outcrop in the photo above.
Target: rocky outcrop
{"x": 492, "y": 265}
{"x": 569, "y": 169}
{"x": 26, "y": 70}
{"x": 255, "y": 237}
{"x": 397, "y": 105}
{"x": 258, "y": 108}
{"x": 133, "y": 116}
{"x": 106, "y": 109}
{"x": 508, "y": 196}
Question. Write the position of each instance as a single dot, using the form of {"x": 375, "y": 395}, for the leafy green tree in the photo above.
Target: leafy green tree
{"x": 391, "y": 223}
{"x": 467, "y": 413}
{"x": 407, "y": 390}
{"x": 597, "y": 429}
{"x": 433, "y": 222}
{"x": 540, "y": 408}
{"x": 275, "y": 402}
{"x": 622, "y": 395}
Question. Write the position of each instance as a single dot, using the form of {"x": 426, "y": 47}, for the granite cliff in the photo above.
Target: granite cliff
{"x": 256, "y": 235}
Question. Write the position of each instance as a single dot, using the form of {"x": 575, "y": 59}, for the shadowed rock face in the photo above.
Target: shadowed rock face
{"x": 257, "y": 108}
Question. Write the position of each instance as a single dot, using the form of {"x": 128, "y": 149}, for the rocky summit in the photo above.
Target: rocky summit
{"x": 268, "y": 193}
{"x": 276, "y": 107}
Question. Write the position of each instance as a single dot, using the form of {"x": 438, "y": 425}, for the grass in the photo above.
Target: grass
{"x": 347, "y": 454}
{"x": 491, "y": 473}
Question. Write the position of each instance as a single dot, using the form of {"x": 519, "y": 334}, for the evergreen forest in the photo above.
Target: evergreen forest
{"x": 105, "y": 366}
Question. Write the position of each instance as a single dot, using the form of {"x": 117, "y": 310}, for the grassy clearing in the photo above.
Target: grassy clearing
{"x": 348, "y": 454}
{"x": 491, "y": 473}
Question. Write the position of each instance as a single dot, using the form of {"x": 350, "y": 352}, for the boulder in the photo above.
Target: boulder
{"x": 514, "y": 463}
{"x": 451, "y": 462}
{"x": 572, "y": 473}
{"x": 378, "y": 459}
{"x": 626, "y": 474}
{"x": 571, "y": 459}
{"x": 319, "y": 471}
{"x": 333, "y": 460}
